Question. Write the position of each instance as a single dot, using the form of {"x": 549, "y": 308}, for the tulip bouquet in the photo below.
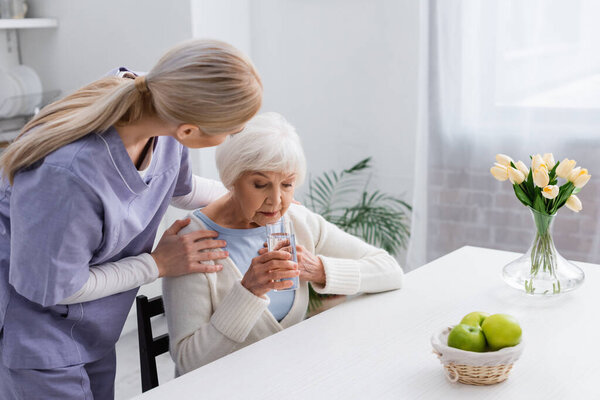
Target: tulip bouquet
{"x": 538, "y": 189}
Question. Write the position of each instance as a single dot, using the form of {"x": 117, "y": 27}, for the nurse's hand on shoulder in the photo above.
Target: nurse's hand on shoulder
{"x": 177, "y": 255}
{"x": 267, "y": 270}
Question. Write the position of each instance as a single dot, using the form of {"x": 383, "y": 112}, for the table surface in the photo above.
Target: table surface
{"x": 378, "y": 346}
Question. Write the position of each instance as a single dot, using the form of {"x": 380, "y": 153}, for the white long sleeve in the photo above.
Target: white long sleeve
{"x": 204, "y": 191}
{"x": 351, "y": 265}
{"x": 116, "y": 277}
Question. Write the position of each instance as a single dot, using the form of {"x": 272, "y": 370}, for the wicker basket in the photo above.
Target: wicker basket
{"x": 474, "y": 368}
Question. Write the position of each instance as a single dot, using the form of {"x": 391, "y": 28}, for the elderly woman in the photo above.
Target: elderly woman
{"x": 213, "y": 314}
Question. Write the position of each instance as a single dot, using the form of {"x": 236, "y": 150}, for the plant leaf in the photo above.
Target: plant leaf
{"x": 359, "y": 166}
{"x": 522, "y": 196}
{"x": 539, "y": 204}
{"x": 564, "y": 193}
{"x": 552, "y": 174}
{"x": 530, "y": 184}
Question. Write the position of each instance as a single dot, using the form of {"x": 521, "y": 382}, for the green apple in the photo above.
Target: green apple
{"x": 475, "y": 318}
{"x": 501, "y": 330}
{"x": 467, "y": 337}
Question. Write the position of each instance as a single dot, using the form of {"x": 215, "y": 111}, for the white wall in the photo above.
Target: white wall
{"x": 94, "y": 37}
{"x": 229, "y": 21}
{"x": 344, "y": 72}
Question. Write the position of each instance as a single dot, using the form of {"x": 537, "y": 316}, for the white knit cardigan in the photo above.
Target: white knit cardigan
{"x": 212, "y": 315}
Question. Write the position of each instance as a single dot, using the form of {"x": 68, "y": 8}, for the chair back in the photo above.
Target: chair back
{"x": 150, "y": 347}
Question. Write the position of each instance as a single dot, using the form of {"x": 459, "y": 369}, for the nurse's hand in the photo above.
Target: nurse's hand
{"x": 177, "y": 255}
{"x": 267, "y": 270}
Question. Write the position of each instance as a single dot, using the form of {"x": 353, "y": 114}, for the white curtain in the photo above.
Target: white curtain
{"x": 518, "y": 77}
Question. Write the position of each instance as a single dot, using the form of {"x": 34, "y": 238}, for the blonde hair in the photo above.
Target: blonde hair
{"x": 267, "y": 143}
{"x": 202, "y": 82}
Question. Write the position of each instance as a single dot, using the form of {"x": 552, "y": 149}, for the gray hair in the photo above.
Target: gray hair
{"x": 267, "y": 143}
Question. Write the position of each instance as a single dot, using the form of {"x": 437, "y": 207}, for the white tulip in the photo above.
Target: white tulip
{"x": 503, "y": 159}
{"x": 550, "y": 191}
{"x": 540, "y": 176}
{"x": 564, "y": 168}
{"x": 581, "y": 181}
{"x": 537, "y": 161}
{"x": 522, "y": 167}
{"x": 573, "y": 203}
{"x": 574, "y": 174}
{"x": 515, "y": 176}
{"x": 499, "y": 172}
{"x": 579, "y": 177}
{"x": 549, "y": 160}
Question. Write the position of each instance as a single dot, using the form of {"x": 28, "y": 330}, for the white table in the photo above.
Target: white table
{"x": 378, "y": 346}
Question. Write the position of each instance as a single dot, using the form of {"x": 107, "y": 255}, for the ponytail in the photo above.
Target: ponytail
{"x": 202, "y": 82}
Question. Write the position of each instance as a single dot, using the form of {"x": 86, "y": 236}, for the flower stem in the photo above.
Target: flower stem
{"x": 543, "y": 252}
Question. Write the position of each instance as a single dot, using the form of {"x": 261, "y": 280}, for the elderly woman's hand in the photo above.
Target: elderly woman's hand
{"x": 267, "y": 270}
{"x": 310, "y": 266}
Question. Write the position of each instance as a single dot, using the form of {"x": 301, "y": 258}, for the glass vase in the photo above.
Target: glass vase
{"x": 542, "y": 270}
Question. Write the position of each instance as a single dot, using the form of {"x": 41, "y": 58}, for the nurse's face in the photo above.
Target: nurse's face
{"x": 263, "y": 197}
{"x": 195, "y": 138}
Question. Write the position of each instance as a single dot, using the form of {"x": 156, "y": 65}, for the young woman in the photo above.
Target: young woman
{"x": 83, "y": 191}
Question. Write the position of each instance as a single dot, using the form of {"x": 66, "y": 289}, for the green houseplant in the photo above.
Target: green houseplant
{"x": 345, "y": 200}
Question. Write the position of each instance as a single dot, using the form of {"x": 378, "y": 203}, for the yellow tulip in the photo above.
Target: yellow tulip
{"x": 499, "y": 172}
{"x": 515, "y": 176}
{"x": 549, "y": 160}
{"x": 537, "y": 161}
{"x": 550, "y": 191}
{"x": 503, "y": 159}
{"x": 564, "y": 168}
{"x": 573, "y": 203}
{"x": 579, "y": 177}
{"x": 540, "y": 176}
{"x": 522, "y": 167}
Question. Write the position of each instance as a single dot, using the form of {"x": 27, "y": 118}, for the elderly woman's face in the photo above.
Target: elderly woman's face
{"x": 264, "y": 197}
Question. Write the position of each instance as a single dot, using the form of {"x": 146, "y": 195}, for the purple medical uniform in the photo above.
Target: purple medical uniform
{"x": 84, "y": 204}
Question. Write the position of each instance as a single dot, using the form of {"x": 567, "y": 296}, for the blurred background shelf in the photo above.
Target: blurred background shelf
{"x": 7, "y": 136}
{"x": 28, "y": 23}
{"x": 25, "y": 105}
{"x": 11, "y": 126}
{"x": 22, "y": 93}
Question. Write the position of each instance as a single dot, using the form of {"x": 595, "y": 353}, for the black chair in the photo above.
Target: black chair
{"x": 150, "y": 347}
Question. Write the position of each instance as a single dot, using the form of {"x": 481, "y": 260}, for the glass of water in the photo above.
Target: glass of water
{"x": 280, "y": 236}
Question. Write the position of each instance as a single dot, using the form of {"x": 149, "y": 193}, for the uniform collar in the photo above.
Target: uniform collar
{"x": 123, "y": 164}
